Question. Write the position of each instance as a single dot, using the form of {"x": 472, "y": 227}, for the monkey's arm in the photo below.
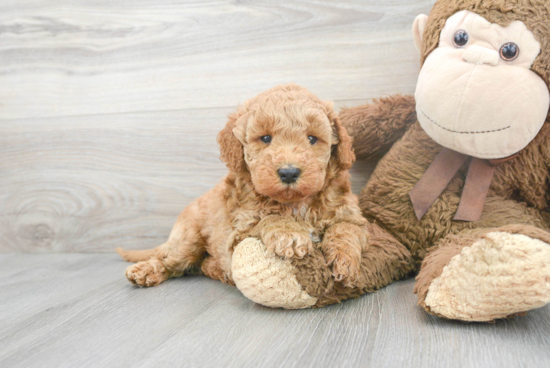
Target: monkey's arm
{"x": 376, "y": 126}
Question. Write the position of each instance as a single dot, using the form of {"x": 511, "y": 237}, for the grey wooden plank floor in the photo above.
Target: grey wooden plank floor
{"x": 77, "y": 310}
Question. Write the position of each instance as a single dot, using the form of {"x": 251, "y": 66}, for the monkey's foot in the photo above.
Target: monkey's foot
{"x": 498, "y": 276}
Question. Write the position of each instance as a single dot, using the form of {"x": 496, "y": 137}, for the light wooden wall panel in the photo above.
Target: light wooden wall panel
{"x": 109, "y": 109}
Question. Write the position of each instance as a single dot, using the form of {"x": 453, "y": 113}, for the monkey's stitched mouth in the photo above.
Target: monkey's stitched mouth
{"x": 464, "y": 132}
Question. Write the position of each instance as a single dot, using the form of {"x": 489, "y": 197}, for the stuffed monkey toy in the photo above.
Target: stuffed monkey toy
{"x": 461, "y": 197}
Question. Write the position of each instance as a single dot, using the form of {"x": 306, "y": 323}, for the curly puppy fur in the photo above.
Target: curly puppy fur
{"x": 317, "y": 212}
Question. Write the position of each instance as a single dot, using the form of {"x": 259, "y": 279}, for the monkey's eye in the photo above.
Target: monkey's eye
{"x": 312, "y": 139}
{"x": 509, "y": 51}
{"x": 461, "y": 38}
{"x": 266, "y": 139}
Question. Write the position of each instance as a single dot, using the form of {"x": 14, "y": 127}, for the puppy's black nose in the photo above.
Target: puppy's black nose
{"x": 289, "y": 174}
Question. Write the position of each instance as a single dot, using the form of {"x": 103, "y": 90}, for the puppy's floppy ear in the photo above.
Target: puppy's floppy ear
{"x": 231, "y": 149}
{"x": 342, "y": 151}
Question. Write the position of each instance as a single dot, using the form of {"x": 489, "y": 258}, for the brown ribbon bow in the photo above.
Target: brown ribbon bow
{"x": 440, "y": 173}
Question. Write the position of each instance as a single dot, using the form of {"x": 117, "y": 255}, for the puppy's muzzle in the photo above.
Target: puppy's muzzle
{"x": 289, "y": 174}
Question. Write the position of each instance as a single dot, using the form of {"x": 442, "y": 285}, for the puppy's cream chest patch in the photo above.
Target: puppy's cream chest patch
{"x": 300, "y": 211}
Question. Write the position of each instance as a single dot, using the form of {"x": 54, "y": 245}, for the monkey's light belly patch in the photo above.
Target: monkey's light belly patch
{"x": 267, "y": 279}
{"x": 498, "y": 276}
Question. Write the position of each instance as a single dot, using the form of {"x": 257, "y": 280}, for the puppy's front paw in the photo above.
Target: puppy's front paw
{"x": 288, "y": 244}
{"x": 147, "y": 273}
{"x": 345, "y": 265}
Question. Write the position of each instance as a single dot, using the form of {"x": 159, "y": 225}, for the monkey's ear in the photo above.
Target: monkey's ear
{"x": 419, "y": 26}
{"x": 231, "y": 149}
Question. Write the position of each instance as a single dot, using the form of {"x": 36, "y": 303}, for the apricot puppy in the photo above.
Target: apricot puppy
{"x": 288, "y": 185}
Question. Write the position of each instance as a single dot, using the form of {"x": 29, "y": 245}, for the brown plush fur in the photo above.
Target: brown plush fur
{"x": 519, "y": 198}
{"x": 375, "y": 127}
{"x": 317, "y": 214}
{"x": 384, "y": 260}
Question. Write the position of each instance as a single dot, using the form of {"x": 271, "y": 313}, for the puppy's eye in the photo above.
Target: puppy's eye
{"x": 461, "y": 38}
{"x": 509, "y": 51}
{"x": 312, "y": 139}
{"x": 266, "y": 139}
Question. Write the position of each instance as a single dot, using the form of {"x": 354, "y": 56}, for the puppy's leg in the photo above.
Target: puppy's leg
{"x": 212, "y": 268}
{"x": 342, "y": 246}
{"x": 184, "y": 249}
{"x": 147, "y": 273}
{"x": 285, "y": 236}
{"x": 171, "y": 260}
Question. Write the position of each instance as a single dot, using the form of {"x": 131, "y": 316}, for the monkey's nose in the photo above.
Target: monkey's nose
{"x": 289, "y": 174}
{"x": 481, "y": 55}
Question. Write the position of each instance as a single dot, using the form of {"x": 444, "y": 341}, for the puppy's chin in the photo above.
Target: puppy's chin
{"x": 288, "y": 195}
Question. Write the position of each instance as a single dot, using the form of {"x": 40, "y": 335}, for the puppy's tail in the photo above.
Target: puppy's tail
{"x": 136, "y": 255}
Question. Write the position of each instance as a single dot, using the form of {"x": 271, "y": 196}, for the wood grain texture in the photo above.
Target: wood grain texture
{"x": 65, "y": 58}
{"x": 63, "y": 310}
{"x": 109, "y": 109}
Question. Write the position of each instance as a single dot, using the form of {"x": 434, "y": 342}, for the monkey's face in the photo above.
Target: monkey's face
{"x": 476, "y": 93}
